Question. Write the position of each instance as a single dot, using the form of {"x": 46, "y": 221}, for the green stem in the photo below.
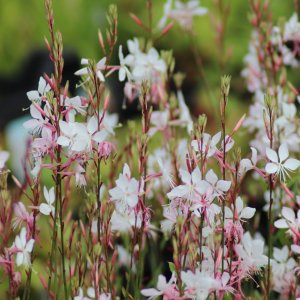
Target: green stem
{"x": 270, "y": 239}
{"x": 223, "y": 202}
{"x": 62, "y": 240}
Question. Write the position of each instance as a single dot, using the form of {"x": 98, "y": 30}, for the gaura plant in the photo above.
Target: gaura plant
{"x": 133, "y": 218}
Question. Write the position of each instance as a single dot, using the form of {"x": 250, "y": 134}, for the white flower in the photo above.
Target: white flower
{"x": 281, "y": 164}
{"x": 4, "y": 155}
{"x": 78, "y": 137}
{"x": 24, "y": 248}
{"x": 124, "y": 221}
{"x": 73, "y": 105}
{"x": 246, "y": 164}
{"x": 198, "y": 284}
{"x": 207, "y": 145}
{"x": 241, "y": 212}
{"x": 91, "y": 295}
{"x": 289, "y": 220}
{"x": 109, "y": 122}
{"x": 160, "y": 121}
{"x": 100, "y": 66}
{"x": 39, "y": 118}
{"x": 43, "y": 89}
{"x": 182, "y": 13}
{"x": 47, "y": 208}
{"x": 166, "y": 289}
{"x": 219, "y": 186}
{"x": 123, "y": 71}
{"x": 282, "y": 269}
{"x": 127, "y": 189}
{"x": 193, "y": 183}
{"x": 251, "y": 253}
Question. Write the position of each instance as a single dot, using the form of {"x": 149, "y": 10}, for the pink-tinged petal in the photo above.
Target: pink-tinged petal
{"x": 42, "y": 85}
{"x": 223, "y": 185}
{"x": 116, "y": 193}
{"x": 122, "y": 74}
{"x": 35, "y": 113}
{"x": 292, "y": 164}
{"x": 33, "y": 95}
{"x": 185, "y": 176}
{"x": 45, "y": 209}
{"x": 228, "y": 213}
{"x": 254, "y": 155}
{"x": 126, "y": 171}
{"x": 84, "y": 61}
{"x": 65, "y": 127}
{"x": 132, "y": 200}
{"x": 46, "y": 194}
{"x": 239, "y": 204}
{"x": 23, "y": 236}
{"x": 18, "y": 242}
{"x": 63, "y": 141}
{"x": 296, "y": 249}
{"x": 31, "y": 124}
{"x": 101, "y": 63}
{"x": 150, "y": 293}
{"x": 247, "y": 213}
{"x": 178, "y": 191}
{"x": 100, "y": 136}
{"x": 216, "y": 138}
{"x": 202, "y": 187}
{"x": 196, "y": 175}
{"x": 19, "y": 258}
{"x": 79, "y": 144}
{"x": 271, "y": 168}
{"x": 245, "y": 165}
{"x": 92, "y": 125}
{"x": 29, "y": 245}
{"x": 211, "y": 177}
{"x": 100, "y": 76}
{"x": 51, "y": 195}
{"x": 283, "y": 152}
{"x": 162, "y": 282}
{"x": 91, "y": 292}
{"x": 288, "y": 214}
{"x": 281, "y": 223}
{"x": 272, "y": 155}
{"x": 225, "y": 278}
{"x": 4, "y": 155}
{"x": 82, "y": 71}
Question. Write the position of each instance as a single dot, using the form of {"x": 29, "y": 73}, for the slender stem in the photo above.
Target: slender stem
{"x": 149, "y": 7}
{"x": 201, "y": 238}
{"x": 54, "y": 235}
{"x": 270, "y": 237}
{"x": 62, "y": 239}
{"x": 223, "y": 176}
{"x": 270, "y": 212}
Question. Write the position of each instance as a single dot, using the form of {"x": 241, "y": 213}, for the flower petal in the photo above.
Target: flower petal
{"x": 271, "y": 168}
{"x": 292, "y": 164}
{"x": 283, "y": 152}
{"x": 288, "y": 214}
{"x": 272, "y": 155}
{"x": 247, "y": 213}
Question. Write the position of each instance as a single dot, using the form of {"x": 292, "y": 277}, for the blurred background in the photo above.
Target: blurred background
{"x": 23, "y": 56}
